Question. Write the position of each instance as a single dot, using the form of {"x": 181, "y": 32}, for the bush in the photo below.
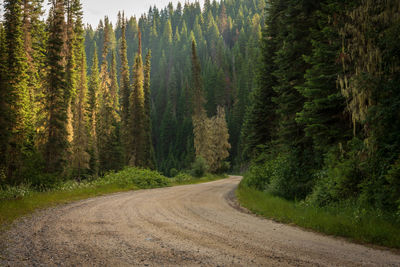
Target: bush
{"x": 199, "y": 167}
{"x": 339, "y": 180}
{"x": 142, "y": 178}
{"x": 182, "y": 177}
{"x": 259, "y": 173}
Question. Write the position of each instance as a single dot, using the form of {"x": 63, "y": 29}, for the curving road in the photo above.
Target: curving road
{"x": 184, "y": 225}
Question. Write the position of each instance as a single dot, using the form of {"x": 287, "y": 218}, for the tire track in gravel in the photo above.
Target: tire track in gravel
{"x": 184, "y": 225}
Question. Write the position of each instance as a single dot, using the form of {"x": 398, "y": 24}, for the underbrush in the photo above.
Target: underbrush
{"x": 346, "y": 219}
{"x": 21, "y": 200}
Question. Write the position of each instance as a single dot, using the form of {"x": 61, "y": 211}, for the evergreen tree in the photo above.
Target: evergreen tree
{"x": 17, "y": 86}
{"x": 259, "y": 123}
{"x": 199, "y": 114}
{"x": 137, "y": 113}
{"x": 93, "y": 95}
{"x": 57, "y": 93}
{"x": 4, "y": 107}
{"x": 108, "y": 118}
{"x": 80, "y": 143}
{"x": 125, "y": 90}
{"x": 323, "y": 113}
{"x": 148, "y": 149}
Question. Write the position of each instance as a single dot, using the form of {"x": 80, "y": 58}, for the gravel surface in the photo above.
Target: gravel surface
{"x": 186, "y": 225}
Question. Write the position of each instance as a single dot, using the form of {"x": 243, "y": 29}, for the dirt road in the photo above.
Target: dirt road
{"x": 185, "y": 225}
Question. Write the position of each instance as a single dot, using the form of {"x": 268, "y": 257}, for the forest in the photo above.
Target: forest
{"x": 303, "y": 96}
{"x": 323, "y": 122}
{"x": 79, "y": 102}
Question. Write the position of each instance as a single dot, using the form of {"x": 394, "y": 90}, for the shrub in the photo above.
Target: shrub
{"x": 182, "y": 177}
{"x": 199, "y": 167}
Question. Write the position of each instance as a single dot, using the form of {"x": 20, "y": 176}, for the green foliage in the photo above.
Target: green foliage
{"x": 199, "y": 167}
{"x": 280, "y": 175}
{"x": 346, "y": 219}
{"x": 173, "y": 172}
{"x": 182, "y": 177}
{"x": 57, "y": 94}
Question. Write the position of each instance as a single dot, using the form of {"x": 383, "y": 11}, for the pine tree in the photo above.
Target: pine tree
{"x": 80, "y": 144}
{"x": 137, "y": 112}
{"x": 260, "y": 119}
{"x": 323, "y": 113}
{"x": 57, "y": 93}
{"x": 125, "y": 91}
{"x": 148, "y": 149}
{"x": 199, "y": 113}
{"x": 93, "y": 102}
{"x": 108, "y": 118}
{"x": 17, "y": 91}
{"x": 4, "y": 107}
{"x": 35, "y": 42}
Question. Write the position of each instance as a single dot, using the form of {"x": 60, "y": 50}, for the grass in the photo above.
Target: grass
{"x": 28, "y": 201}
{"x": 343, "y": 220}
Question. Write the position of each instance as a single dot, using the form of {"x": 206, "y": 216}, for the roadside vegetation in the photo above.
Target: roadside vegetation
{"x": 347, "y": 219}
{"x": 21, "y": 200}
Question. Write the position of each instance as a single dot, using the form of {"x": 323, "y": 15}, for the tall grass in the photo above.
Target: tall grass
{"x": 345, "y": 220}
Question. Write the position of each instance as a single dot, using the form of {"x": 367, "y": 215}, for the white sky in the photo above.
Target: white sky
{"x": 94, "y": 10}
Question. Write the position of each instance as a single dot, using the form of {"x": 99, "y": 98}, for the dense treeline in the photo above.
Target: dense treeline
{"x": 78, "y": 102}
{"x": 226, "y": 35}
{"x": 56, "y": 123}
{"x": 323, "y": 124}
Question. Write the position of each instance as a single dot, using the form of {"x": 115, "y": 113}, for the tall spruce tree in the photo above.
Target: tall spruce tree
{"x": 80, "y": 145}
{"x": 137, "y": 113}
{"x": 17, "y": 91}
{"x": 323, "y": 114}
{"x": 199, "y": 113}
{"x": 148, "y": 146}
{"x": 125, "y": 90}
{"x": 260, "y": 121}
{"x": 93, "y": 102}
{"x": 57, "y": 92}
{"x": 108, "y": 117}
{"x": 4, "y": 107}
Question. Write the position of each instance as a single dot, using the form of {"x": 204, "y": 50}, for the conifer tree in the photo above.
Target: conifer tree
{"x": 259, "y": 122}
{"x": 148, "y": 149}
{"x": 4, "y": 107}
{"x": 80, "y": 144}
{"x": 17, "y": 91}
{"x": 35, "y": 42}
{"x": 199, "y": 114}
{"x": 323, "y": 113}
{"x": 93, "y": 102}
{"x": 57, "y": 92}
{"x": 124, "y": 90}
{"x": 108, "y": 118}
{"x": 137, "y": 112}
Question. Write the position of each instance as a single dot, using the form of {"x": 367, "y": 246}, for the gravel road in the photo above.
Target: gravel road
{"x": 185, "y": 225}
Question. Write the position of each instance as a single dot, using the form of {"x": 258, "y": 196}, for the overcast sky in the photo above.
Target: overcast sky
{"x": 94, "y": 10}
